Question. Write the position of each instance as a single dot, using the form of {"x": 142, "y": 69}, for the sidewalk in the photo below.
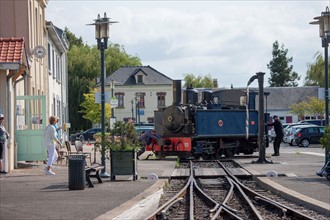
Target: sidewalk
{"x": 27, "y": 193}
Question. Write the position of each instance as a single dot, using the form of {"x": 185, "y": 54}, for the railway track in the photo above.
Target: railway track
{"x": 219, "y": 194}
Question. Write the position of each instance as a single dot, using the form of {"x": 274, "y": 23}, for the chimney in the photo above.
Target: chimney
{"x": 176, "y": 92}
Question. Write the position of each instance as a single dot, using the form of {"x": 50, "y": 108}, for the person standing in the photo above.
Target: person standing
{"x": 50, "y": 143}
{"x": 3, "y": 137}
{"x": 58, "y": 129}
{"x": 279, "y": 135}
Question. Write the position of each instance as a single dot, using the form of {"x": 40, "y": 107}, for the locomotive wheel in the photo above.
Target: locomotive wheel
{"x": 229, "y": 152}
{"x": 206, "y": 156}
{"x": 220, "y": 153}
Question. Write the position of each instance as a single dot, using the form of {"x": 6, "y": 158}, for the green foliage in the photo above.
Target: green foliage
{"x": 281, "y": 73}
{"x": 325, "y": 140}
{"x": 315, "y": 72}
{"x": 124, "y": 137}
{"x": 299, "y": 109}
{"x": 84, "y": 67}
{"x": 81, "y": 75}
{"x": 92, "y": 111}
{"x": 83, "y": 62}
{"x": 116, "y": 56}
{"x": 199, "y": 81}
{"x": 73, "y": 40}
{"x": 313, "y": 106}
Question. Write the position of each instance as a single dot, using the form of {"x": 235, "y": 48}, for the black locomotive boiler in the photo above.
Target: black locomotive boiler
{"x": 223, "y": 122}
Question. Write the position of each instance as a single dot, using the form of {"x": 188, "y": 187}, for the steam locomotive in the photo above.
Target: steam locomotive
{"x": 224, "y": 122}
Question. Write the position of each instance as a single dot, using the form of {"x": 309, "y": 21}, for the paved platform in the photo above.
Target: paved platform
{"x": 27, "y": 193}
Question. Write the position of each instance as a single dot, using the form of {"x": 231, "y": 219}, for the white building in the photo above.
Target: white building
{"x": 28, "y": 91}
{"x": 140, "y": 90}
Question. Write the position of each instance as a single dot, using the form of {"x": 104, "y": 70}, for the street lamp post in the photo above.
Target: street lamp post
{"x": 324, "y": 30}
{"x": 112, "y": 96}
{"x": 132, "y": 101}
{"x": 102, "y": 35}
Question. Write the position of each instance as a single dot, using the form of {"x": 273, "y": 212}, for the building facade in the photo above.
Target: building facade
{"x": 139, "y": 90}
{"x": 29, "y": 91}
{"x": 279, "y": 99}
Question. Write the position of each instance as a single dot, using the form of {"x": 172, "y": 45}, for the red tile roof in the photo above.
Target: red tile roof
{"x": 11, "y": 50}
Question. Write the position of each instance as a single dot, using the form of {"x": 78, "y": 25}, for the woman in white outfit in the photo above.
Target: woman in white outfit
{"x": 50, "y": 143}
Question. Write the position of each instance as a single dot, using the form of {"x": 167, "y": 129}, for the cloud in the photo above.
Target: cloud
{"x": 231, "y": 40}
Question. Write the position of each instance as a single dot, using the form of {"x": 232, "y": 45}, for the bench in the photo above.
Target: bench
{"x": 94, "y": 168}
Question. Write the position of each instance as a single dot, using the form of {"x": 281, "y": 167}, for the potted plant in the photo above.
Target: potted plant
{"x": 325, "y": 142}
{"x": 123, "y": 146}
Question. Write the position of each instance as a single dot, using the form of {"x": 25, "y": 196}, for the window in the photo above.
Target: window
{"x": 140, "y": 79}
{"x": 54, "y": 106}
{"x": 36, "y": 27}
{"x": 313, "y": 130}
{"x": 161, "y": 99}
{"x": 53, "y": 64}
{"x": 120, "y": 97}
{"x": 58, "y": 106}
{"x": 49, "y": 60}
{"x": 140, "y": 99}
{"x": 58, "y": 68}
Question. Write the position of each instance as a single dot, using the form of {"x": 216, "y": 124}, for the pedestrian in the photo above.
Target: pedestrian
{"x": 3, "y": 137}
{"x": 58, "y": 129}
{"x": 279, "y": 135}
{"x": 50, "y": 144}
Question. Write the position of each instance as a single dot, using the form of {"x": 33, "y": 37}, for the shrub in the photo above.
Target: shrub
{"x": 325, "y": 140}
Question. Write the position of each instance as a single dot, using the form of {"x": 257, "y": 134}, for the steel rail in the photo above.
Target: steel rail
{"x": 170, "y": 202}
{"x": 275, "y": 204}
{"x": 280, "y": 208}
{"x": 248, "y": 201}
{"x": 162, "y": 211}
{"x": 206, "y": 197}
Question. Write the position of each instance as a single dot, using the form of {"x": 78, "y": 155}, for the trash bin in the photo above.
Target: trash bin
{"x": 77, "y": 174}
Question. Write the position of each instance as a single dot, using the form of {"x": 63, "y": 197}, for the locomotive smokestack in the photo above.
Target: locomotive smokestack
{"x": 176, "y": 92}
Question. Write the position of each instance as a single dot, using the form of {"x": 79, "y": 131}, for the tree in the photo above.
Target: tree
{"x": 199, "y": 81}
{"x": 299, "y": 109}
{"x": 116, "y": 56}
{"x": 84, "y": 68}
{"x": 91, "y": 110}
{"x": 281, "y": 73}
{"x": 82, "y": 72}
{"x": 73, "y": 40}
{"x": 315, "y": 72}
{"x": 313, "y": 106}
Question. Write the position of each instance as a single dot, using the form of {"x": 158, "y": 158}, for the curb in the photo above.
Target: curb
{"x": 292, "y": 195}
{"x": 131, "y": 207}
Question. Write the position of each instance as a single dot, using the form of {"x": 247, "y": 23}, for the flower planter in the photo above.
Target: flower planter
{"x": 123, "y": 163}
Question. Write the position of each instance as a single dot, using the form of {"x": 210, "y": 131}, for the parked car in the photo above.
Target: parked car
{"x": 320, "y": 122}
{"x": 271, "y": 135}
{"x": 87, "y": 135}
{"x": 142, "y": 128}
{"x": 307, "y": 135}
{"x": 289, "y": 135}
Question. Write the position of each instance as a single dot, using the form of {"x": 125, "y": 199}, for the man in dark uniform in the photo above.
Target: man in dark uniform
{"x": 279, "y": 135}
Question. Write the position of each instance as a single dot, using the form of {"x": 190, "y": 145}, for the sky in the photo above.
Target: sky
{"x": 230, "y": 40}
